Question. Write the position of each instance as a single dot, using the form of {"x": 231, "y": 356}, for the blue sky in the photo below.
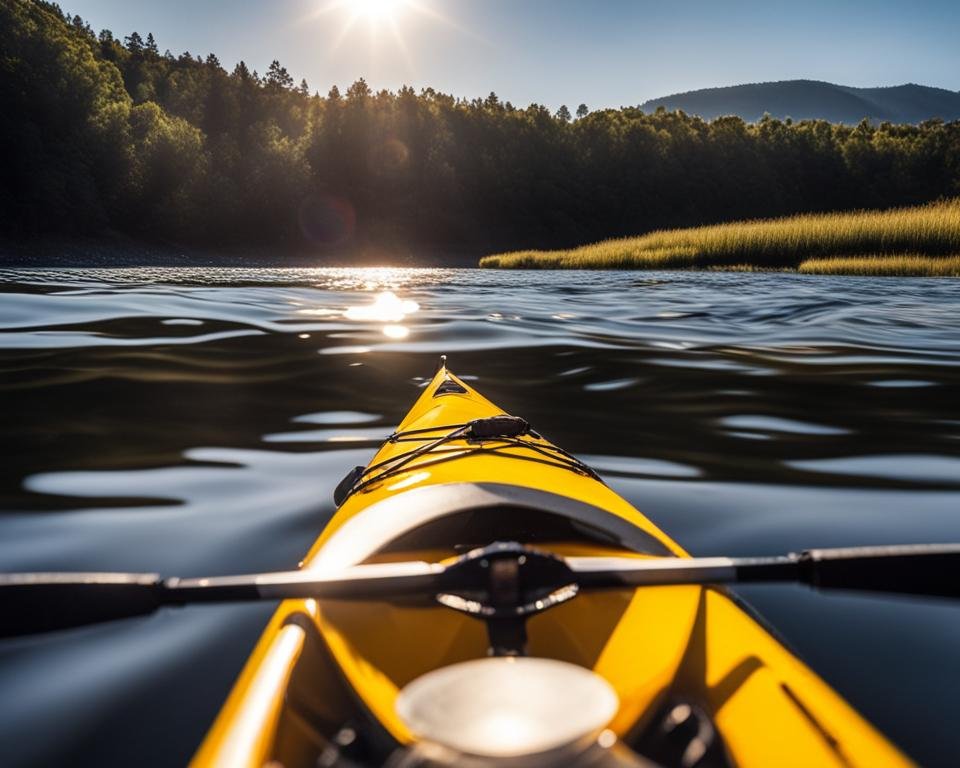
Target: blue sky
{"x": 602, "y": 52}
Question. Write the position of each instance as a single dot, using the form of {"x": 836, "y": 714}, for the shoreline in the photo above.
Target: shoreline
{"x": 117, "y": 251}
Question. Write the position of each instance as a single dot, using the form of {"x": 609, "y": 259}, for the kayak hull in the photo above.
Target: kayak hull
{"x": 317, "y": 666}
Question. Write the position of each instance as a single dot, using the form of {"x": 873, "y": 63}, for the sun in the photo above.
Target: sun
{"x": 382, "y": 20}
{"x": 375, "y": 10}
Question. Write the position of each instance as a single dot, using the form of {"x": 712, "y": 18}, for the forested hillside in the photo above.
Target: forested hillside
{"x": 814, "y": 100}
{"x": 99, "y": 133}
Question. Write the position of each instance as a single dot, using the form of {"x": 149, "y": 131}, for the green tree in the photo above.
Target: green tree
{"x": 169, "y": 164}
{"x": 134, "y": 43}
{"x": 359, "y": 91}
{"x": 63, "y": 117}
{"x": 241, "y": 72}
{"x": 213, "y": 63}
{"x": 277, "y": 76}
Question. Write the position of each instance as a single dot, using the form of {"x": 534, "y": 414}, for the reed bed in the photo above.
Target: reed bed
{"x": 930, "y": 231}
{"x": 903, "y": 265}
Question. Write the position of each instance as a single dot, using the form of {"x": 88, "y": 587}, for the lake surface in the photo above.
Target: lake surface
{"x": 192, "y": 421}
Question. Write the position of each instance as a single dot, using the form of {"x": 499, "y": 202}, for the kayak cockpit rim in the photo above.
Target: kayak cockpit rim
{"x": 379, "y": 527}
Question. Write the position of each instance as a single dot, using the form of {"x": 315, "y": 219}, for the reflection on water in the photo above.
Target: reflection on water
{"x": 386, "y": 307}
{"x": 192, "y": 421}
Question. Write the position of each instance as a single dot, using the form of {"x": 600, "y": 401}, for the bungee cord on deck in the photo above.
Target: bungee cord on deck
{"x": 492, "y": 434}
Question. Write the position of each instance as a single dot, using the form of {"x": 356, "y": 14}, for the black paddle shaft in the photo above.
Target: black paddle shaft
{"x": 40, "y": 602}
{"x": 921, "y": 569}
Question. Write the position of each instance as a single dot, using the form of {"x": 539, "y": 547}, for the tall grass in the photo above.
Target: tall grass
{"x": 905, "y": 265}
{"x": 929, "y": 231}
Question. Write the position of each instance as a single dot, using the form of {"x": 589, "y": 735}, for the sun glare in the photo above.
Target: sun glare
{"x": 375, "y": 10}
{"x": 376, "y": 17}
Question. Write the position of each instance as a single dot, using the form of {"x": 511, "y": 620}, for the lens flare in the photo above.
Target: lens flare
{"x": 327, "y": 220}
{"x": 388, "y": 158}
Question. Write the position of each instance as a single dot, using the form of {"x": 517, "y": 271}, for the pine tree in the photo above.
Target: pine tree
{"x": 241, "y": 73}
{"x": 278, "y": 77}
{"x": 134, "y": 43}
{"x": 151, "y": 46}
{"x": 582, "y": 111}
{"x": 563, "y": 114}
{"x": 304, "y": 88}
{"x": 81, "y": 26}
{"x": 358, "y": 91}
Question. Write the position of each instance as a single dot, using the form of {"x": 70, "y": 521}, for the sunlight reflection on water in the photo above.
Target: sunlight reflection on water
{"x": 386, "y": 307}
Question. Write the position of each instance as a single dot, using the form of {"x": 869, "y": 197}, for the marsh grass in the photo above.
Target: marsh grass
{"x": 876, "y": 237}
{"x": 903, "y": 265}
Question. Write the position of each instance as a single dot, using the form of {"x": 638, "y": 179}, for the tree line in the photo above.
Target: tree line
{"x": 107, "y": 134}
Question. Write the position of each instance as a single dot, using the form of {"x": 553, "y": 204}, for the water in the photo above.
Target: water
{"x": 191, "y": 421}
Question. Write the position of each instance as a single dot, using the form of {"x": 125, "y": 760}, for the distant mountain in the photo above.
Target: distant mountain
{"x": 807, "y": 99}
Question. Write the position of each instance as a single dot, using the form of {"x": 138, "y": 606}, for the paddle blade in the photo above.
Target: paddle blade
{"x": 921, "y": 569}
{"x": 41, "y": 602}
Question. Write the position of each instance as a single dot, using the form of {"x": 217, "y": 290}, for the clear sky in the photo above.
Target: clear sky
{"x": 602, "y": 52}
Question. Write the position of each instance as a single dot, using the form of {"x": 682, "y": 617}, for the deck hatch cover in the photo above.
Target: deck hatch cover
{"x": 449, "y": 387}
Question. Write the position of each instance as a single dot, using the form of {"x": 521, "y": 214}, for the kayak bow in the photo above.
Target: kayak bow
{"x": 676, "y": 675}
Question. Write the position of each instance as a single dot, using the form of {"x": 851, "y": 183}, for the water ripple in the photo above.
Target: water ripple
{"x": 193, "y": 420}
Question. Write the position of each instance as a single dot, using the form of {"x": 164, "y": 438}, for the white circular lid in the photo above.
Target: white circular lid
{"x": 507, "y": 707}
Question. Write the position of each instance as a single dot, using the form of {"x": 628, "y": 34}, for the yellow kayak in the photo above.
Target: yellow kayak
{"x": 665, "y": 675}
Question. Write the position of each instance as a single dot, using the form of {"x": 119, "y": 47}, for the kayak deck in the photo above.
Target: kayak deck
{"x": 319, "y": 668}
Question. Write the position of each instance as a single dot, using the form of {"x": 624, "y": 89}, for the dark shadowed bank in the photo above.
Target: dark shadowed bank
{"x": 99, "y": 135}
{"x": 116, "y": 250}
